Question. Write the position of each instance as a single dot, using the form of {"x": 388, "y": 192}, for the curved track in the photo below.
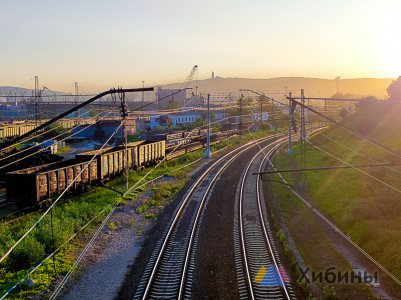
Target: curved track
{"x": 258, "y": 262}
{"x": 168, "y": 275}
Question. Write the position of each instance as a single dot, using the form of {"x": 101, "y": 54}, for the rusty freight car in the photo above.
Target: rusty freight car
{"x": 110, "y": 160}
{"x": 36, "y": 186}
{"x": 150, "y": 153}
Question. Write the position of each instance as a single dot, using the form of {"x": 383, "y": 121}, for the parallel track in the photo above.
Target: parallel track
{"x": 169, "y": 271}
{"x": 254, "y": 242}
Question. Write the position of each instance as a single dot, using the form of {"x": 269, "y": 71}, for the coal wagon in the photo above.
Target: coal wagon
{"x": 37, "y": 185}
{"x": 110, "y": 161}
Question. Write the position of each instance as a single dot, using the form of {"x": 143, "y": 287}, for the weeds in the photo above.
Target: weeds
{"x": 112, "y": 226}
{"x": 329, "y": 293}
{"x": 150, "y": 216}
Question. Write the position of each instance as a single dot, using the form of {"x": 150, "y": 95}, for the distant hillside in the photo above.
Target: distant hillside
{"x": 10, "y": 91}
{"x": 275, "y": 87}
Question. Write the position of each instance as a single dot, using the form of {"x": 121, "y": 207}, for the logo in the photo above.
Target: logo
{"x": 271, "y": 276}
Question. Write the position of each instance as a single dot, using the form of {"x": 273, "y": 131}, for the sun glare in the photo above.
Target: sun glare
{"x": 389, "y": 45}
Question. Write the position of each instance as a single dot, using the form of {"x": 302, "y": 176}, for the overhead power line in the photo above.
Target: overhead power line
{"x": 111, "y": 91}
{"x": 370, "y": 140}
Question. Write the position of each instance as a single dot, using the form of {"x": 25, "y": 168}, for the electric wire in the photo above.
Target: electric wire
{"x": 356, "y": 168}
{"x": 338, "y": 230}
{"x": 59, "y": 197}
{"x": 40, "y": 150}
{"x": 365, "y": 156}
{"x": 54, "y": 203}
{"x": 42, "y": 133}
{"x": 127, "y": 192}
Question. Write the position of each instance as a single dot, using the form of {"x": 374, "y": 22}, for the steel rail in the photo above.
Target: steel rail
{"x": 182, "y": 206}
{"x": 258, "y": 192}
{"x": 193, "y": 231}
{"x": 241, "y": 227}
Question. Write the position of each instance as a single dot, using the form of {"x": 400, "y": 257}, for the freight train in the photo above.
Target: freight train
{"x": 36, "y": 186}
{"x": 13, "y": 129}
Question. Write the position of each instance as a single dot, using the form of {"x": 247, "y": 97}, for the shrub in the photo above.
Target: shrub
{"x": 150, "y": 216}
{"x": 310, "y": 297}
{"x": 281, "y": 236}
{"x": 112, "y": 226}
{"x": 62, "y": 231}
{"x": 303, "y": 284}
{"x": 329, "y": 293}
{"x": 26, "y": 254}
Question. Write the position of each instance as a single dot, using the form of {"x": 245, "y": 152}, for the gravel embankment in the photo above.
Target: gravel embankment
{"x": 108, "y": 260}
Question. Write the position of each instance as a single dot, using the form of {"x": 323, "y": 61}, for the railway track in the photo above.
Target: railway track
{"x": 3, "y": 201}
{"x": 170, "y": 268}
{"x": 259, "y": 270}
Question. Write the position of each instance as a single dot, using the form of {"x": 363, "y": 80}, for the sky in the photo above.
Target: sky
{"x": 103, "y": 44}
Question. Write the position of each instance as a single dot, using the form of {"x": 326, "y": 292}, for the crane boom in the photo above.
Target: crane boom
{"x": 190, "y": 76}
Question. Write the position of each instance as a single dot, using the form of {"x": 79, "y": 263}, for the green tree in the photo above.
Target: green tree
{"x": 394, "y": 90}
{"x": 173, "y": 104}
{"x": 55, "y": 132}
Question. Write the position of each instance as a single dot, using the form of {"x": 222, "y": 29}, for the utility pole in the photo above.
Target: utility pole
{"x": 261, "y": 107}
{"x": 307, "y": 115}
{"x": 36, "y": 100}
{"x": 274, "y": 118}
{"x": 337, "y": 80}
{"x": 241, "y": 125}
{"x": 203, "y": 108}
{"x": 290, "y": 123}
{"x": 143, "y": 96}
{"x": 208, "y": 127}
{"x": 124, "y": 134}
{"x": 303, "y": 142}
{"x": 76, "y": 103}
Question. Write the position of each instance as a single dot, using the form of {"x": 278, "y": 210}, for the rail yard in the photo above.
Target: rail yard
{"x": 225, "y": 231}
{"x": 233, "y": 201}
{"x": 200, "y": 150}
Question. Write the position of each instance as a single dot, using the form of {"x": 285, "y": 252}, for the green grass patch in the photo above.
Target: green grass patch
{"x": 63, "y": 149}
{"x": 365, "y": 209}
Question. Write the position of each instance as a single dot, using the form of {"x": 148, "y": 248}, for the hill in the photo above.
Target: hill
{"x": 10, "y": 91}
{"x": 275, "y": 87}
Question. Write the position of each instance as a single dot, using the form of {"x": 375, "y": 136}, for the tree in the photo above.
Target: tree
{"x": 394, "y": 90}
{"x": 343, "y": 113}
{"x": 173, "y": 104}
{"x": 56, "y": 130}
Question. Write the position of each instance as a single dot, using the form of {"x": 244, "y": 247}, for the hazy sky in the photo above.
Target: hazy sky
{"x": 103, "y": 44}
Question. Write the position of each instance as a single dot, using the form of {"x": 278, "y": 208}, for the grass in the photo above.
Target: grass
{"x": 63, "y": 149}
{"x": 311, "y": 241}
{"x": 112, "y": 226}
{"x": 365, "y": 209}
